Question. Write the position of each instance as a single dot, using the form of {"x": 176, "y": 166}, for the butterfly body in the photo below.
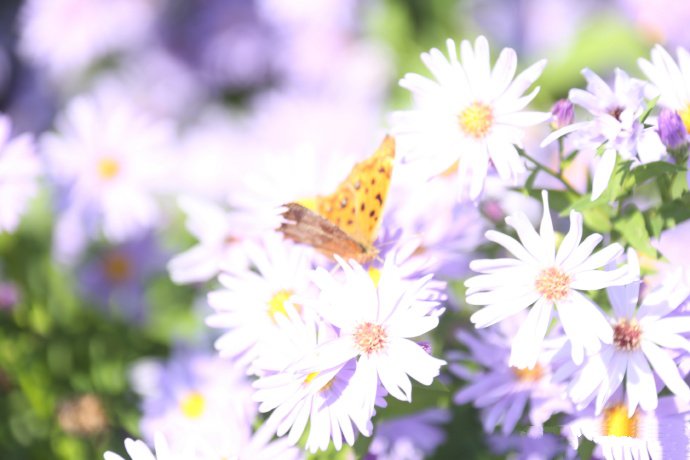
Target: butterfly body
{"x": 345, "y": 222}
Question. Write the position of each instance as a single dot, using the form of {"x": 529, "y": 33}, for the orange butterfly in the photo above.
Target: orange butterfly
{"x": 346, "y": 222}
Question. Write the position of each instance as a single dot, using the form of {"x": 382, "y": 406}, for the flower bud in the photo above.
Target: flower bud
{"x": 563, "y": 114}
{"x": 671, "y": 129}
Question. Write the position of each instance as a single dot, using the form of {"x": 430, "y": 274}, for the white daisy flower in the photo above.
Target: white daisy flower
{"x": 138, "y": 450}
{"x": 656, "y": 435}
{"x": 616, "y": 125}
{"x": 543, "y": 277}
{"x": 250, "y": 302}
{"x": 471, "y": 114}
{"x": 111, "y": 160}
{"x": 376, "y": 321}
{"x": 19, "y": 171}
{"x": 670, "y": 79}
{"x": 329, "y": 401}
{"x": 641, "y": 337}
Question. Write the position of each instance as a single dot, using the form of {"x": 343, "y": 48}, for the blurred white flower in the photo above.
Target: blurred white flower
{"x": 66, "y": 36}
{"x": 111, "y": 160}
{"x": 470, "y": 114}
{"x": 19, "y": 171}
{"x": 138, "y": 450}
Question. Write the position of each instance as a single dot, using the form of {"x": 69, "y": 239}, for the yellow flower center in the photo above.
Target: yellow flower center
{"x": 553, "y": 284}
{"x": 370, "y": 337}
{"x": 117, "y": 267}
{"x": 308, "y": 379}
{"x": 108, "y": 168}
{"x": 528, "y": 375}
{"x": 685, "y": 116}
{"x": 375, "y": 275}
{"x": 193, "y": 405}
{"x": 616, "y": 422}
{"x": 277, "y": 303}
{"x": 476, "y": 120}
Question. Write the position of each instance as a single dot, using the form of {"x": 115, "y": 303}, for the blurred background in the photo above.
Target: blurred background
{"x": 234, "y": 82}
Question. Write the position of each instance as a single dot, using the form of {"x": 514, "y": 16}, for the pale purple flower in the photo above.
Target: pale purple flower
{"x": 541, "y": 277}
{"x": 641, "y": 337}
{"x": 114, "y": 278}
{"x": 411, "y": 437}
{"x": 671, "y": 129}
{"x": 9, "y": 295}
{"x": 376, "y": 320}
{"x": 470, "y": 114}
{"x": 502, "y": 392}
{"x": 563, "y": 113}
{"x": 112, "y": 160}
{"x": 138, "y": 450}
{"x": 616, "y": 125}
{"x": 534, "y": 445}
{"x": 19, "y": 171}
{"x": 97, "y": 29}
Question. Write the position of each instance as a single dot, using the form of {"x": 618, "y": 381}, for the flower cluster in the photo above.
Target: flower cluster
{"x": 285, "y": 289}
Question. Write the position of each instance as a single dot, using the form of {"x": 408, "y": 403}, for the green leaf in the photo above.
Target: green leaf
{"x": 423, "y": 397}
{"x": 633, "y": 229}
{"x": 653, "y": 170}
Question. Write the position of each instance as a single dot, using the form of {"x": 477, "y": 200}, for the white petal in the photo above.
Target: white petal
{"x": 528, "y": 341}
{"x": 602, "y": 175}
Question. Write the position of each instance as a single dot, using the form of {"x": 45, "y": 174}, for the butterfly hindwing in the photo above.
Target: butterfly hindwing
{"x": 354, "y": 209}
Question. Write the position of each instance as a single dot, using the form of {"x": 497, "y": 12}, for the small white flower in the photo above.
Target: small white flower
{"x": 138, "y": 450}
{"x": 472, "y": 114}
{"x": 376, "y": 322}
{"x": 641, "y": 337}
{"x": 19, "y": 170}
{"x": 250, "y": 303}
{"x": 670, "y": 79}
{"x": 543, "y": 277}
{"x": 616, "y": 125}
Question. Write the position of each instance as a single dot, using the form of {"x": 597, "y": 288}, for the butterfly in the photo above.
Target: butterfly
{"x": 345, "y": 222}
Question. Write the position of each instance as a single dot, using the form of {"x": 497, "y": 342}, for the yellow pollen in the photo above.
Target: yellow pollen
{"x": 108, "y": 168}
{"x": 193, "y": 405}
{"x": 310, "y": 377}
{"x": 616, "y": 422}
{"x": 553, "y": 284}
{"x": 375, "y": 275}
{"x": 117, "y": 267}
{"x": 277, "y": 303}
{"x": 685, "y": 116}
{"x": 370, "y": 337}
{"x": 528, "y": 375}
{"x": 476, "y": 120}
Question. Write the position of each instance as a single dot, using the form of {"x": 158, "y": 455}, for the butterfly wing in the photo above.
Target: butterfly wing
{"x": 305, "y": 226}
{"x": 357, "y": 204}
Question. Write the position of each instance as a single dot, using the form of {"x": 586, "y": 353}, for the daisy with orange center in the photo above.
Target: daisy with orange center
{"x": 641, "y": 351}
{"x": 377, "y": 322}
{"x": 542, "y": 277}
{"x": 469, "y": 114}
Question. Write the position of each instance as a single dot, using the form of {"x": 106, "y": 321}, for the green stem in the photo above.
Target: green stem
{"x": 550, "y": 172}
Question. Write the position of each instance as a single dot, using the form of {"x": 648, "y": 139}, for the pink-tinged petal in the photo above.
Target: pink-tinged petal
{"x": 572, "y": 238}
{"x": 581, "y": 252}
{"x": 640, "y": 385}
{"x": 666, "y": 369}
{"x": 518, "y": 276}
{"x": 416, "y": 362}
{"x": 507, "y": 291}
{"x": 528, "y": 341}
{"x": 512, "y": 246}
{"x": 414, "y": 327}
{"x": 602, "y": 175}
{"x": 492, "y": 265}
{"x": 495, "y": 313}
{"x": 524, "y": 80}
{"x": 503, "y": 72}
